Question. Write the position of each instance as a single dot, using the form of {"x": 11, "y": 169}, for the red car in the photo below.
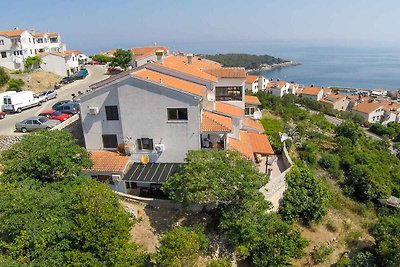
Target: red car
{"x": 2, "y": 115}
{"x": 55, "y": 115}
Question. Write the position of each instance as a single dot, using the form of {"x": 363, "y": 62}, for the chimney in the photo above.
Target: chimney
{"x": 161, "y": 82}
{"x": 160, "y": 56}
{"x": 189, "y": 59}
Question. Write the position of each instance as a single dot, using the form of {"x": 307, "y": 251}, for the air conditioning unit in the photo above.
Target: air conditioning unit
{"x": 159, "y": 148}
{"x": 93, "y": 110}
{"x": 116, "y": 178}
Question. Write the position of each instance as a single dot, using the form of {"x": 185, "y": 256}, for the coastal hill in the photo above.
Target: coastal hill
{"x": 248, "y": 61}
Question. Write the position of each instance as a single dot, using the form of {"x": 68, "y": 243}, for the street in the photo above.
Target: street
{"x": 96, "y": 73}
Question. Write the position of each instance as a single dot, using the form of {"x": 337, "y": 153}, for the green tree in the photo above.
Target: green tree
{"x": 220, "y": 263}
{"x": 4, "y": 77}
{"x": 349, "y": 130}
{"x": 181, "y": 246}
{"x": 122, "y": 58}
{"x": 15, "y": 85}
{"x": 46, "y": 156}
{"x": 32, "y": 62}
{"x": 387, "y": 237}
{"x": 101, "y": 58}
{"x": 214, "y": 177}
{"x": 305, "y": 199}
{"x": 363, "y": 259}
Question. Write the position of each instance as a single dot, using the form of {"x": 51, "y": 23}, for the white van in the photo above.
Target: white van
{"x": 2, "y": 95}
{"x": 19, "y": 101}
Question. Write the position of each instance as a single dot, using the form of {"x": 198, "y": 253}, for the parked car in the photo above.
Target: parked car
{"x": 59, "y": 103}
{"x": 35, "y": 123}
{"x": 46, "y": 95}
{"x": 2, "y": 115}
{"x": 79, "y": 75}
{"x": 67, "y": 80}
{"x": 84, "y": 71}
{"x": 69, "y": 108}
{"x": 95, "y": 62}
{"x": 55, "y": 115}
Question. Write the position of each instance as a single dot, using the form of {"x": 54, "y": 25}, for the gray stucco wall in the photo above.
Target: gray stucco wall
{"x": 143, "y": 114}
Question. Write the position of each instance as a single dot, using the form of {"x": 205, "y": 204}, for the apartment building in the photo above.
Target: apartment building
{"x": 162, "y": 110}
{"x": 256, "y": 83}
{"x": 278, "y": 88}
{"x": 336, "y": 101}
{"x": 18, "y": 44}
{"x": 371, "y": 111}
{"x": 313, "y": 92}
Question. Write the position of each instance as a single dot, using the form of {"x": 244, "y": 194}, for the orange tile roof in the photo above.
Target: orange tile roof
{"x": 367, "y": 107}
{"x": 311, "y": 90}
{"x": 227, "y": 72}
{"x": 108, "y": 161}
{"x": 228, "y": 109}
{"x": 332, "y": 98}
{"x": 76, "y": 52}
{"x": 251, "y": 78}
{"x": 253, "y": 124}
{"x": 180, "y": 65}
{"x": 276, "y": 85}
{"x": 249, "y": 99}
{"x": 39, "y": 34}
{"x": 170, "y": 81}
{"x": 212, "y": 122}
{"x": 389, "y": 105}
{"x": 260, "y": 144}
{"x": 243, "y": 146}
{"x": 198, "y": 62}
{"x": 142, "y": 52}
{"x": 12, "y": 33}
{"x": 53, "y": 34}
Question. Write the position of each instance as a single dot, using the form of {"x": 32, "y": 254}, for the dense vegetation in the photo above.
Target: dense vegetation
{"x": 227, "y": 185}
{"x": 49, "y": 216}
{"x": 348, "y": 162}
{"x": 244, "y": 60}
{"x": 101, "y": 58}
{"x": 4, "y": 77}
{"x": 121, "y": 58}
{"x": 32, "y": 62}
{"x": 15, "y": 85}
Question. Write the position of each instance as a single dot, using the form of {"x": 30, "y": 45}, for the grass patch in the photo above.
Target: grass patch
{"x": 321, "y": 254}
{"x": 272, "y": 126}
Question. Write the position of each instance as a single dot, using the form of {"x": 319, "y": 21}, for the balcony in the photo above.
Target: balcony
{"x": 213, "y": 141}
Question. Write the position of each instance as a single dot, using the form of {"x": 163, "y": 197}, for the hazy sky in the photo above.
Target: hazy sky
{"x": 92, "y": 25}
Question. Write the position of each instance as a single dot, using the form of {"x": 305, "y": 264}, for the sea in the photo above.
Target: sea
{"x": 363, "y": 68}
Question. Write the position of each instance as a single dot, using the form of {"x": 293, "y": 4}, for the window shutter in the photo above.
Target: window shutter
{"x": 139, "y": 141}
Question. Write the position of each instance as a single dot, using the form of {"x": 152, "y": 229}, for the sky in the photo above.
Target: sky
{"x": 209, "y": 26}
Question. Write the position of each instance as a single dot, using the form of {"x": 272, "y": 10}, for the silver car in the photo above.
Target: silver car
{"x": 35, "y": 123}
{"x": 47, "y": 95}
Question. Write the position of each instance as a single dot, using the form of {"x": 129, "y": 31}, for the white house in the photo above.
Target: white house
{"x": 162, "y": 110}
{"x": 256, "y": 83}
{"x": 18, "y": 44}
{"x": 371, "y": 111}
{"x": 278, "y": 88}
{"x": 62, "y": 64}
{"x": 312, "y": 92}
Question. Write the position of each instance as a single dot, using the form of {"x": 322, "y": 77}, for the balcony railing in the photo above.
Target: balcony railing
{"x": 229, "y": 98}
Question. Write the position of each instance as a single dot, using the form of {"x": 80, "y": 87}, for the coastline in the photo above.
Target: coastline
{"x": 275, "y": 66}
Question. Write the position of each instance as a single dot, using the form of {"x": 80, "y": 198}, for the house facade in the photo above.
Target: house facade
{"x": 336, "y": 101}
{"x": 371, "y": 111}
{"x": 18, "y": 44}
{"x": 256, "y": 83}
{"x": 62, "y": 64}
{"x": 312, "y": 92}
{"x": 278, "y": 88}
{"x": 162, "y": 110}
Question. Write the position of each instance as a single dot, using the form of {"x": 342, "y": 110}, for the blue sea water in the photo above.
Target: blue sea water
{"x": 366, "y": 68}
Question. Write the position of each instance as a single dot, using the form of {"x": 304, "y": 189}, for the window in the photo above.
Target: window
{"x": 145, "y": 143}
{"x": 112, "y": 113}
{"x": 177, "y": 114}
{"x": 110, "y": 140}
{"x": 1, "y": 42}
{"x": 249, "y": 111}
{"x": 228, "y": 93}
{"x": 3, "y": 54}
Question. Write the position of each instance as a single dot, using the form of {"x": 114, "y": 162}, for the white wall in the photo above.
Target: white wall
{"x": 8, "y": 61}
{"x": 55, "y": 64}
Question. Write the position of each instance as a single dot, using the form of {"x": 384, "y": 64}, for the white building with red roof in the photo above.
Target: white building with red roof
{"x": 313, "y": 92}
{"x": 255, "y": 83}
{"x": 278, "y": 88}
{"x": 371, "y": 111}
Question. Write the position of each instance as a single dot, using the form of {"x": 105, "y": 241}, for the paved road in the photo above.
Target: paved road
{"x": 96, "y": 73}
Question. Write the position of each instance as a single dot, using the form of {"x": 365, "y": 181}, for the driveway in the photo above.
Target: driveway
{"x": 96, "y": 73}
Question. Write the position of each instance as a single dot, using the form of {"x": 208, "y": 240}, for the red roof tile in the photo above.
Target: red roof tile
{"x": 260, "y": 144}
{"x": 212, "y": 122}
{"x": 227, "y": 72}
{"x": 251, "y": 124}
{"x": 108, "y": 161}
{"x": 311, "y": 90}
{"x": 251, "y": 78}
{"x": 249, "y": 99}
{"x": 228, "y": 109}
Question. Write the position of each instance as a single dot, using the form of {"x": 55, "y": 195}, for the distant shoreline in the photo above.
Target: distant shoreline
{"x": 274, "y": 66}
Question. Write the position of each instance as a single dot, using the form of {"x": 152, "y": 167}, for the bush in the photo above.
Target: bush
{"x": 32, "y": 62}
{"x": 101, "y": 58}
{"x": 272, "y": 126}
{"x": 330, "y": 225}
{"x": 4, "y": 77}
{"x": 321, "y": 254}
{"x": 331, "y": 163}
{"x": 15, "y": 85}
{"x": 219, "y": 263}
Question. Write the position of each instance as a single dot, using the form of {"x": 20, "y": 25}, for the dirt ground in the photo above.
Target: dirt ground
{"x": 35, "y": 81}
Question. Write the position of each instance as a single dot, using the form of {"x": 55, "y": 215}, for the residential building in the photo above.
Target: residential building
{"x": 371, "y": 111}
{"x": 251, "y": 105}
{"x": 165, "y": 108}
{"x": 256, "y": 83}
{"x": 336, "y": 101}
{"x": 278, "y": 88}
{"x": 18, "y": 44}
{"x": 312, "y": 92}
{"x": 391, "y": 111}
{"x": 294, "y": 88}
{"x": 62, "y": 64}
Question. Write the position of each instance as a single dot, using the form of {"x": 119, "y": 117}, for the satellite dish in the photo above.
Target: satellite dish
{"x": 257, "y": 115}
{"x": 144, "y": 159}
{"x": 210, "y": 97}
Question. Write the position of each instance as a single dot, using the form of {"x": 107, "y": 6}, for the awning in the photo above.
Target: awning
{"x": 151, "y": 172}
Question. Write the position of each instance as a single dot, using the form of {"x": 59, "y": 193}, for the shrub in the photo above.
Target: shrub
{"x": 219, "y": 263}
{"x": 32, "y": 62}
{"x": 331, "y": 163}
{"x": 330, "y": 225}
{"x": 4, "y": 77}
{"x": 321, "y": 254}
{"x": 15, "y": 85}
{"x": 272, "y": 126}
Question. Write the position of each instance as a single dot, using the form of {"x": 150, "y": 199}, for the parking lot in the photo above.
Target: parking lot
{"x": 96, "y": 73}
